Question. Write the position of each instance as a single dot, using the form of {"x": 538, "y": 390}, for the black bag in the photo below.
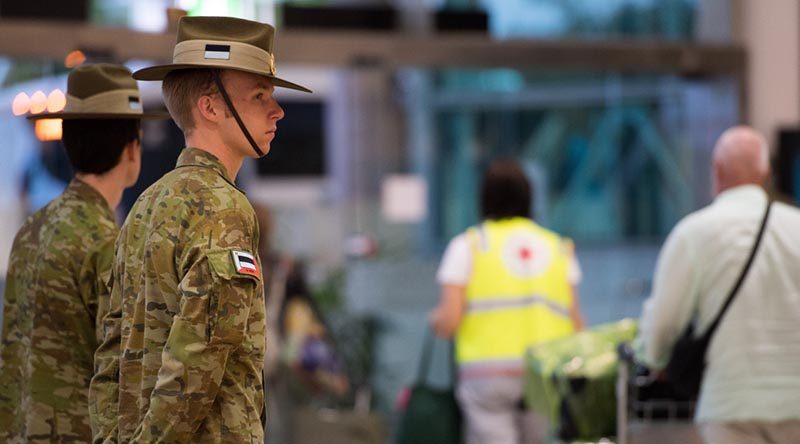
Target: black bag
{"x": 432, "y": 415}
{"x": 688, "y": 360}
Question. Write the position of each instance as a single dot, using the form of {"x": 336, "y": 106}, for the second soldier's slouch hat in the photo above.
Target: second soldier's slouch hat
{"x": 102, "y": 91}
{"x": 223, "y": 43}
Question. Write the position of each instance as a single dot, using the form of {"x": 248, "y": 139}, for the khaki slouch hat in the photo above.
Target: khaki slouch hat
{"x": 222, "y": 43}
{"x": 101, "y": 91}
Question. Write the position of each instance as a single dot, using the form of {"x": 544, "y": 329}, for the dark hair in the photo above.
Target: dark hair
{"x": 505, "y": 192}
{"x": 94, "y": 146}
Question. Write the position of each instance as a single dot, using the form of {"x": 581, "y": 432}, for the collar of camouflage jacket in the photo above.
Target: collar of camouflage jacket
{"x": 197, "y": 157}
{"x": 87, "y": 193}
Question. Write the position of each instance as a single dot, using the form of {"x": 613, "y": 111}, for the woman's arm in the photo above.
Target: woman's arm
{"x": 446, "y": 317}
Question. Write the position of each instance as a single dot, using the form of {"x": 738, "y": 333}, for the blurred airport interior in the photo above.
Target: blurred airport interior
{"x": 611, "y": 106}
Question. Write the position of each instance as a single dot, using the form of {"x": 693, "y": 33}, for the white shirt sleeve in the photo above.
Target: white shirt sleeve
{"x": 456, "y": 265}
{"x": 574, "y": 274}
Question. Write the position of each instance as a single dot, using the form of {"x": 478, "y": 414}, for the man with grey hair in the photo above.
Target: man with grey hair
{"x": 751, "y": 387}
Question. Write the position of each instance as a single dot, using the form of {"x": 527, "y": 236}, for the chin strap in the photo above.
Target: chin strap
{"x": 227, "y": 99}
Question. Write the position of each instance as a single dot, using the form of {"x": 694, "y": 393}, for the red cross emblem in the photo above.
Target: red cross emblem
{"x": 525, "y": 254}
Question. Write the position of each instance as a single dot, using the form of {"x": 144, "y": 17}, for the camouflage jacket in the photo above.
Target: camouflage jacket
{"x": 186, "y": 332}
{"x": 60, "y": 258}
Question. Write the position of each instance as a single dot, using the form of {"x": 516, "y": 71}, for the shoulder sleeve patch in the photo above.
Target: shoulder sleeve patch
{"x": 234, "y": 264}
{"x": 245, "y": 263}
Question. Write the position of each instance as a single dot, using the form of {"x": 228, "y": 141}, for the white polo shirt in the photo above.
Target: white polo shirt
{"x": 753, "y": 361}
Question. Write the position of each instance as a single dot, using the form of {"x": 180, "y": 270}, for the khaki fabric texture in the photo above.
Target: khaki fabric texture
{"x": 54, "y": 293}
{"x": 234, "y": 29}
{"x": 88, "y": 80}
{"x": 186, "y": 329}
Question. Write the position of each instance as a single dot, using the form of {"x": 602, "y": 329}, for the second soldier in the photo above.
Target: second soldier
{"x": 60, "y": 261}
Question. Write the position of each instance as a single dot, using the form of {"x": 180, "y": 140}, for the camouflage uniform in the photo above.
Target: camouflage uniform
{"x": 191, "y": 324}
{"x": 60, "y": 257}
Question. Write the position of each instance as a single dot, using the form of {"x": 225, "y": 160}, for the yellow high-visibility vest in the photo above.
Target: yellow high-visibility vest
{"x": 518, "y": 294}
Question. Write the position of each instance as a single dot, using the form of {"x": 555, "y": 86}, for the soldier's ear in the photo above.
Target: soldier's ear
{"x": 209, "y": 109}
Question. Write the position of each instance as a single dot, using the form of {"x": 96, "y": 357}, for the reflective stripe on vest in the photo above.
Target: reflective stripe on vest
{"x": 499, "y": 303}
{"x": 518, "y": 295}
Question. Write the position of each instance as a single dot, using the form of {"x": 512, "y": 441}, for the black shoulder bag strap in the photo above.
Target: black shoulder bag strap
{"x": 686, "y": 365}
{"x": 735, "y": 290}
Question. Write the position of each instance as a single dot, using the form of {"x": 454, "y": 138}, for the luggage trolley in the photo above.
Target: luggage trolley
{"x": 645, "y": 412}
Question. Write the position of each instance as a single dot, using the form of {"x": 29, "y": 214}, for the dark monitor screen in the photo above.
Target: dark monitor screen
{"x": 298, "y": 148}
{"x": 76, "y": 10}
{"x": 787, "y": 162}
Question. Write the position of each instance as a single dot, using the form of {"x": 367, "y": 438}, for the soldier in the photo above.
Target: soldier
{"x": 61, "y": 256}
{"x": 187, "y": 329}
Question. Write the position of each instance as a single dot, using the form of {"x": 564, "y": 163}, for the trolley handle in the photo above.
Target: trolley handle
{"x": 639, "y": 374}
{"x": 625, "y": 352}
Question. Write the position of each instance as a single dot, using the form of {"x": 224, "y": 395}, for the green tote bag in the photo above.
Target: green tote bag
{"x": 432, "y": 415}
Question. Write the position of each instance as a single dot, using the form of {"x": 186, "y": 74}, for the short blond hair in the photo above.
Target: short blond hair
{"x": 181, "y": 90}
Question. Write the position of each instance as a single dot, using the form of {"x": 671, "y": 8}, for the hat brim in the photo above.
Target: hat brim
{"x": 159, "y": 72}
{"x": 148, "y": 115}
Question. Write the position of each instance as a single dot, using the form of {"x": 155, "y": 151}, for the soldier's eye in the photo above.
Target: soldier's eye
{"x": 259, "y": 96}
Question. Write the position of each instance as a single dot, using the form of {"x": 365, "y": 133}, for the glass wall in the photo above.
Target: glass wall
{"x": 610, "y": 155}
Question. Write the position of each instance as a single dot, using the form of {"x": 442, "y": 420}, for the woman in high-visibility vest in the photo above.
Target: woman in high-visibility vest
{"x": 507, "y": 284}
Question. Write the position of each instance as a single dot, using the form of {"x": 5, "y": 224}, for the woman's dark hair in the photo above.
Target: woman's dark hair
{"x": 94, "y": 146}
{"x": 505, "y": 192}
